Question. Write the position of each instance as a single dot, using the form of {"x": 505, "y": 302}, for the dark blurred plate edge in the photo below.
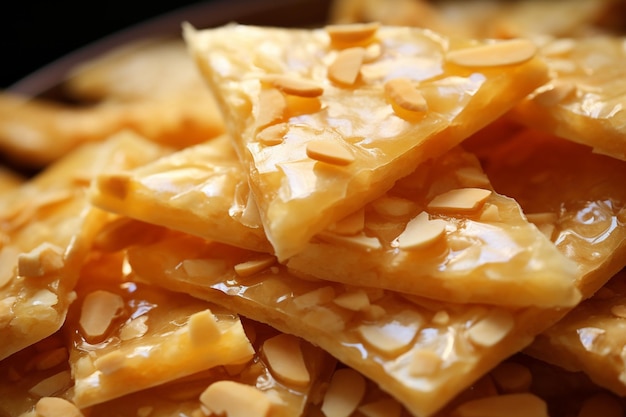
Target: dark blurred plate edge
{"x": 285, "y": 13}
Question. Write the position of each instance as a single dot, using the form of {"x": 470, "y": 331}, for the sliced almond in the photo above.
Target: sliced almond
{"x": 272, "y": 135}
{"x": 8, "y": 261}
{"x": 360, "y": 241}
{"x": 234, "y": 399}
{"x": 344, "y": 394}
{"x": 346, "y": 67}
{"x": 272, "y": 107}
{"x": 295, "y": 86}
{"x": 52, "y": 385}
{"x": 491, "y": 329}
{"x": 424, "y": 363}
{"x": 392, "y": 337}
{"x": 56, "y": 407}
{"x": 403, "y": 93}
{"x": 356, "y": 33}
{"x": 357, "y": 300}
{"x": 319, "y": 296}
{"x": 203, "y": 328}
{"x": 330, "y": 152}
{"x": 504, "y": 52}
{"x": 511, "y": 377}
{"x": 99, "y": 309}
{"x": 460, "y": 200}
{"x": 619, "y": 310}
{"x": 285, "y": 359}
{"x": 419, "y": 232}
{"x": 254, "y": 266}
{"x": 349, "y": 225}
{"x": 111, "y": 362}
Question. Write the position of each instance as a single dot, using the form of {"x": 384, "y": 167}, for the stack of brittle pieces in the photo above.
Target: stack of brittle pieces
{"x": 374, "y": 217}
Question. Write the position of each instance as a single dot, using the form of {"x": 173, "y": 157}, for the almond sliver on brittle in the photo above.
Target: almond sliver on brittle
{"x": 421, "y": 351}
{"x": 47, "y": 227}
{"x": 325, "y": 120}
{"x": 483, "y": 252}
{"x": 584, "y": 100}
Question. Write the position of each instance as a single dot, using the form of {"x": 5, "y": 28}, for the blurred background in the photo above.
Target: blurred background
{"x": 35, "y": 33}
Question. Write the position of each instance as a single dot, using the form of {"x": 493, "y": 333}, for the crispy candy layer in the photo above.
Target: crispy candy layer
{"x": 439, "y": 232}
{"x": 583, "y": 102}
{"x": 371, "y": 134}
{"x": 420, "y": 351}
{"x": 47, "y": 227}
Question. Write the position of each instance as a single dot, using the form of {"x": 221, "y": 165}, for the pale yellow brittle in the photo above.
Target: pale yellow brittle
{"x": 591, "y": 338}
{"x": 584, "y": 100}
{"x": 421, "y": 351}
{"x": 574, "y": 195}
{"x": 322, "y": 153}
{"x": 488, "y": 253}
{"x": 47, "y": 225}
{"x": 126, "y": 337}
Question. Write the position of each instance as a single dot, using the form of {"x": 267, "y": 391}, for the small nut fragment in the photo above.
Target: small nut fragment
{"x": 460, "y": 200}
{"x": 315, "y": 297}
{"x": 512, "y": 377}
{"x": 424, "y": 363}
{"x": 99, "y": 309}
{"x": 295, "y": 86}
{"x": 56, "y": 407}
{"x": 492, "y": 328}
{"x": 344, "y": 394}
{"x": 510, "y": 405}
{"x": 111, "y": 362}
{"x": 392, "y": 337}
{"x": 254, "y": 266}
{"x": 272, "y": 135}
{"x": 403, "y": 93}
{"x": 356, "y": 33}
{"x": 619, "y": 310}
{"x": 359, "y": 241}
{"x": 203, "y": 328}
{"x": 52, "y": 385}
{"x": 346, "y": 67}
{"x": 234, "y": 399}
{"x": 354, "y": 300}
{"x": 504, "y": 52}
{"x": 272, "y": 107}
{"x": 349, "y": 225}
{"x": 419, "y": 232}
{"x": 42, "y": 260}
{"x": 330, "y": 152}
{"x": 285, "y": 359}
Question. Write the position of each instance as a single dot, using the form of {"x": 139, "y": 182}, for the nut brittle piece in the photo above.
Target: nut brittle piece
{"x": 440, "y": 232}
{"x": 583, "y": 101}
{"x": 574, "y": 195}
{"x": 591, "y": 337}
{"x": 421, "y": 351}
{"x": 324, "y": 155}
{"x": 47, "y": 225}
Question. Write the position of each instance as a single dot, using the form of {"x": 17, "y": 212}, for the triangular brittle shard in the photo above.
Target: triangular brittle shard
{"x": 328, "y": 119}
